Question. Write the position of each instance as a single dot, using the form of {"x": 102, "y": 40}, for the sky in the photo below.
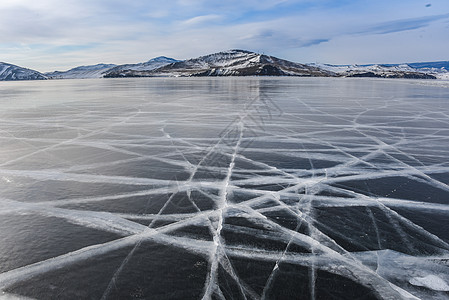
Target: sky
{"x": 48, "y": 35}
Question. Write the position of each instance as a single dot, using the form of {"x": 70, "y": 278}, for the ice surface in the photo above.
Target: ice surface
{"x": 230, "y": 188}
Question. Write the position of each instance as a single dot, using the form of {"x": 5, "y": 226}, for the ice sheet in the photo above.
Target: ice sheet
{"x": 328, "y": 182}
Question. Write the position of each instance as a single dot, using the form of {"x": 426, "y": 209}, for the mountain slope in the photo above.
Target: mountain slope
{"x": 13, "y": 72}
{"x": 231, "y": 63}
{"x": 93, "y": 71}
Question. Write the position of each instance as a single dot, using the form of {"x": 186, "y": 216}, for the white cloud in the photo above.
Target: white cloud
{"x": 202, "y": 19}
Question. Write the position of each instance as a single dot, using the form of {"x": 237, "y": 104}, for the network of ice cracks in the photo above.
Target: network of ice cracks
{"x": 223, "y": 195}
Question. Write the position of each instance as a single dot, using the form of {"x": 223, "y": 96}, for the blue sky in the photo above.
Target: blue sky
{"x": 52, "y": 35}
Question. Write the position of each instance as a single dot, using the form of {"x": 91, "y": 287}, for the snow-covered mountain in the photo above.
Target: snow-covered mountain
{"x": 13, "y": 72}
{"x": 413, "y": 70}
{"x": 150, "y": 65}
{"x": 230, "y": 63}
{"x": 93, "y": 71}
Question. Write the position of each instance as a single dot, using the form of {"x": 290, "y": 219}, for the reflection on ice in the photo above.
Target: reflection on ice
{"x": 226, "y": 188}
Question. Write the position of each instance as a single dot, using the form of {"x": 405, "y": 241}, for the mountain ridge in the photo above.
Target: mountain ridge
{"x": 235, "y": 62}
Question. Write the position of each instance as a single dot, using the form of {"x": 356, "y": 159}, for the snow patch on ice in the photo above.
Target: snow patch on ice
{"x": 432, "y": 282}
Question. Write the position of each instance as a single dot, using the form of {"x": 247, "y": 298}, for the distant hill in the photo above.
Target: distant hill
{"x": 100, "y": 70}
{"x": 150, "y": 65}
{"x": 13, "y": 72}
{"x": 380, "y": 71}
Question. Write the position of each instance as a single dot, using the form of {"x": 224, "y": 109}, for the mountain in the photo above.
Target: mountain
{"x": 93, "y": 71}
{"x": 150, "y": 65}
{"x": 412, "y": 70}
{"x": 13, "y": 72}
{"x": 230, "y": 63}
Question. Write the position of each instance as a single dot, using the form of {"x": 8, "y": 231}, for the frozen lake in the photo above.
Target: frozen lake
{"x": 224, "y": 188}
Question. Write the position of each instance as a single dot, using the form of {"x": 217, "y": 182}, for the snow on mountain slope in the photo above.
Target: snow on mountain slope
{"x": 146, "y": 66}
{"x": 93, "y": 71}
{"x": 231, "y": 63}
{"x": 13, "y": 72}
{"x": 364, "y": 68}
{"x": 387, "y": 71}
{"x": 229, "y": 59}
